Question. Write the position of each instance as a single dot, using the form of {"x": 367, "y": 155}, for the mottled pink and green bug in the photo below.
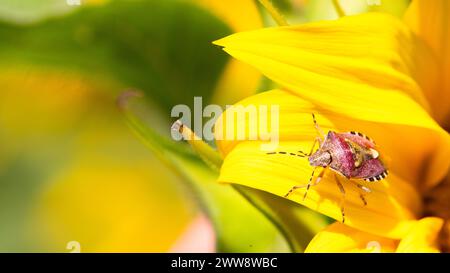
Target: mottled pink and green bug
{"x": 351, "y": 155}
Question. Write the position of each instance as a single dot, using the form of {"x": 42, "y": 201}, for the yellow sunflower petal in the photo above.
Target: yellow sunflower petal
{"x": 358, "y": 67}
{"x": 366, "y": 58}
{"x": 430, "y": 20}
{"x": 339, "y": 238}
{"x": 423, "y": 236}
{"x": 391, "y": 205}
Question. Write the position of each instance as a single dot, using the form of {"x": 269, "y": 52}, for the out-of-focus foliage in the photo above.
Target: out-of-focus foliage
{"x": 70, "y": 170}
{"x": 161, "y": 47}
{"x": 300, "y": 11}
{"x": 239, "y": 16}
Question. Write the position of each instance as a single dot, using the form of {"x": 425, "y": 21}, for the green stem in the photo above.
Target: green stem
{"x": 206, "y": 152}
{"x": 279, "y": 19}
{"x": 338, "y": 8}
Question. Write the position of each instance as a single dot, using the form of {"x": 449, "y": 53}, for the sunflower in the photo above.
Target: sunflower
{"x": 372, "y": 73}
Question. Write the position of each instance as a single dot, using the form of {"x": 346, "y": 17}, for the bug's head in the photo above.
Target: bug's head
{"x": 320, "y": 158}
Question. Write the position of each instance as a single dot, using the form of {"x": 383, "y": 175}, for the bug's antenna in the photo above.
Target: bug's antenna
{"x": 299, "y": 154}
{"x": 316, "y": 125}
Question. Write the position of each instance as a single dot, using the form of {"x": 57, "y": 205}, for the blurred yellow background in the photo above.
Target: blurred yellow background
{"x": 70, "y": 169}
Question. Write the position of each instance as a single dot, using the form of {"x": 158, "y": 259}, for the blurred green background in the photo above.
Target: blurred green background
{"x": 72, "y": 170}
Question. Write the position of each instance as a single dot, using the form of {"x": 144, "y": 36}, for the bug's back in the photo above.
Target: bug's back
{"x": 354, "y": 156}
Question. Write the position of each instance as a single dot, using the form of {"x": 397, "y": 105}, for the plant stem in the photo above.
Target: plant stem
{"x": 338, "y": 8}
{"x": 276, "y": 15}
{"x": 206, "y": 152}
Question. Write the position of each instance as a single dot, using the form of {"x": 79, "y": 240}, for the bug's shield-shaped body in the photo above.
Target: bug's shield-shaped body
{"x": 351, "y": 154}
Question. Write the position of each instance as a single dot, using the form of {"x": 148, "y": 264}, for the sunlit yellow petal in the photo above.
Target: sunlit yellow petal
{"x": 430, "y": 20}
{"x": 391, "y": 204}
{"x": 239, "y": 15}
{"x": 423, "y": 236}
{"x": 340, "y": 238}
{"x": 364, "y": 58}
{"x": 358, "y": 67}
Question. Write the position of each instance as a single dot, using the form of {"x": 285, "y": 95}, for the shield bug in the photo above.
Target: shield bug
{"x": 352, "y": 155}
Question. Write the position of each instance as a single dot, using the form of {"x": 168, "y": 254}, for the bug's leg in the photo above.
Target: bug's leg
{"x": 318, "y": 129}
{"x": 301, "y": 186}
{"x": 363, "y": 199}
{"x": 342, "y": 190}
{"x": 364, "y": 190}
{"x": 309, "y": 185}
{"x": 316, "y": 181}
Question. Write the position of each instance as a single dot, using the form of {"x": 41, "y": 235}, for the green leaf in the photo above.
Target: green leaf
{"x": 160, "y": 47}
